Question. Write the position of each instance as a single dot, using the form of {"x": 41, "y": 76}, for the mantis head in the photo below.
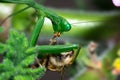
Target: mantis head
{"x": 61, "y": 25}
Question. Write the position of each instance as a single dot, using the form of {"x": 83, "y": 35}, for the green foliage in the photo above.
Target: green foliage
{"x": 16, "y": 60}
{"x": 23, "y": 20}
{"x": 108, "y": 61}
{"x": 91, "y": 75}
{"x": 1, "y": 29}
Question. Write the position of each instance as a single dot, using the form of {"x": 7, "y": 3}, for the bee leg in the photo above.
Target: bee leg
{"x": 52, "y": 41}
{"x": 62, "y": 73}
{"x": 37, "y": 60}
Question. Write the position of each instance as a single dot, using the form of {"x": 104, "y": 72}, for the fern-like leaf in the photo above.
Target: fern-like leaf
{"x": 17, "y": 59}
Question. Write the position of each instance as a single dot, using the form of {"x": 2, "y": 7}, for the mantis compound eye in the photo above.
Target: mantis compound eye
{"x": 66, "y": 26}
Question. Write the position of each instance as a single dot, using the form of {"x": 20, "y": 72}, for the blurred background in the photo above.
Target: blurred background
{"x": 81, "y": 4}
{"x": 95, "y": 25}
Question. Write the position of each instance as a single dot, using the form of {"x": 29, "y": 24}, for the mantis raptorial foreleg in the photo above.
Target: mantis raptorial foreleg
{"x": 36, "y": 31}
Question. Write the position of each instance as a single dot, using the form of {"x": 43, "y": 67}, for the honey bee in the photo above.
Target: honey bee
{"x": 57, "y": 62}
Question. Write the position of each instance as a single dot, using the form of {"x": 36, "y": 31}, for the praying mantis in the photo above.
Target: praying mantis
{"x": 60, "y": 25}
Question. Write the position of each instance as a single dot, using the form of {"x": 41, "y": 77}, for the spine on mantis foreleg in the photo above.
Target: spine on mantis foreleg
{"x": 36, "y": 31}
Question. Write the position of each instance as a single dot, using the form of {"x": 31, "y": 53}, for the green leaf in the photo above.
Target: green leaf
{"x": 1, "y": 29}
{"x": 17, "y": 40}
{"x": 31, "y": 50}
{"x": 23, "y": 77}
{"x": 27, "y": 61}
{"x": 5, "y": 75}
{"x": 6, "y": 65}
{"x": 118, "y": 52}
{"x": 37, "y": 73}
{"x": 2, "y": 48}
{"x": 6, "y": 69}
{"x": 16, "y": 60}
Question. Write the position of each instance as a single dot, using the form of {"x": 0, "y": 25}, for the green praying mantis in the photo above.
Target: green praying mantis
{"x": 59, "y": 24}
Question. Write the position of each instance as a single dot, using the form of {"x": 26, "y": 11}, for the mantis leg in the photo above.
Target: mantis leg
{"x": 36, "y": 31}
{"x": 54, "y": 49}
